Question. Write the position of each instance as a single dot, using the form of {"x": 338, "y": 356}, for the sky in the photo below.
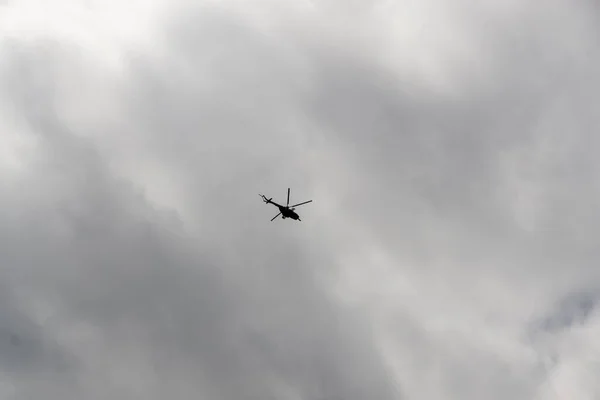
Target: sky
{"x": 449, "y": 148}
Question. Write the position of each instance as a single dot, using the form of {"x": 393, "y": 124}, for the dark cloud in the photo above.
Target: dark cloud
{"x": 574, "y": 310}
{"x": 244, "y": 314}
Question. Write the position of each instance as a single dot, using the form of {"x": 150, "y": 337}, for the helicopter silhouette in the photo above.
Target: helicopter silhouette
{"x": 286, "y": 211}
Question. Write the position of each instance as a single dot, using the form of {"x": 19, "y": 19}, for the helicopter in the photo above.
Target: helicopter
{"x": 286, "y": 211}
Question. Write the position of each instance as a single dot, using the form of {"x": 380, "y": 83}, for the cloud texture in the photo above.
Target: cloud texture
{"x": 450, "y": 250}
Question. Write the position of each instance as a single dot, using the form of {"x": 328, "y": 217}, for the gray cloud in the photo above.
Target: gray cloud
{"x": 141, "y": 287}
{"x": 446, "y": 221}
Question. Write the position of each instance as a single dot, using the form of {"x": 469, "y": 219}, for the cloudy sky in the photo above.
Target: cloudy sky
{"x": 450, "y": 149}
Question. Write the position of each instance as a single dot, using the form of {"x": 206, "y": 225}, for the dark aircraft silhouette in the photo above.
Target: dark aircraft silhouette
{"x": 286, "y": 211}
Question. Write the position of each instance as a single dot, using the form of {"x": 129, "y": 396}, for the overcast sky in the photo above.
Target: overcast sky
{"x": 450, "y": 149}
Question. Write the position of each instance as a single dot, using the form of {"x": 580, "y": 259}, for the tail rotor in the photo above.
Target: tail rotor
{"x": 264, "y": 198}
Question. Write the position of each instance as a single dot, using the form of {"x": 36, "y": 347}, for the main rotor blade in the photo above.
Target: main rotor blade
{"x": 299, "y": 204}
{"x": 275, "y": 216}
{"x": 288, "y": 200}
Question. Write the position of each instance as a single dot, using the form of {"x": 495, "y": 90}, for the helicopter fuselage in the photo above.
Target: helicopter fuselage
{"x": 286, "y": 212}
